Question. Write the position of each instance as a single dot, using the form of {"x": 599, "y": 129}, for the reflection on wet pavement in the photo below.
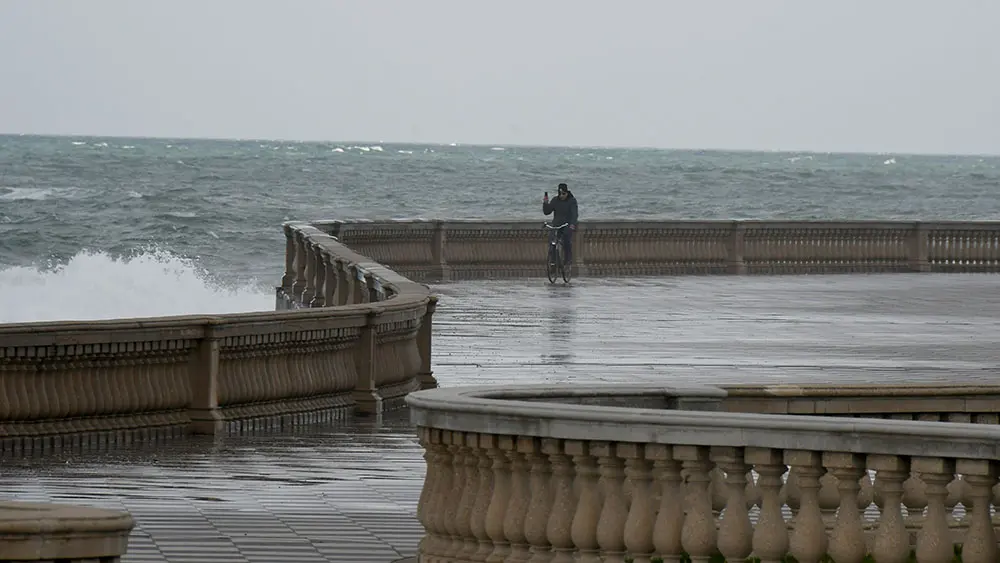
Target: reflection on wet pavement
{"x": 348, "y": 491}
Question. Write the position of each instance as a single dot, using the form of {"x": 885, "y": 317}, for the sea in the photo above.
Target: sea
{"x": 99, "y": 227}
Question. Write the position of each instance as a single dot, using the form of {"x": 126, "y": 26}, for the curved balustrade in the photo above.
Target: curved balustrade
{"x": 535, "y": 473}
{"x": 475, "y": 249}
{"x": 349, "y": 335}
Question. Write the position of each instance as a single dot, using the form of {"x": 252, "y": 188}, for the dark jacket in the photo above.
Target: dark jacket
{"x": 562, "y": 210}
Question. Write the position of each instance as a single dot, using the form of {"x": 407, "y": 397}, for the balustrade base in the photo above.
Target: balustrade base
{"x": 368, "y": 402}
{"x": 242, "y": 419}
{"x": 98, "y": 433}
{"x": 65, "y": 533}
{"x": 427, "y": 380}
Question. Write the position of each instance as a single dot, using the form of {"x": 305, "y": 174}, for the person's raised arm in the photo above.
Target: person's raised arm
{"x": 546, "y": 206}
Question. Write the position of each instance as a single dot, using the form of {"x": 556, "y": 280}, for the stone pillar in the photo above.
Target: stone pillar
{"x": 330, "y": 281}
{"x": 734, "y": 248}
{"x": 371, "y": 286}
{"x": 344, "y": 283}
{"x": 425, "y": 338}
{"x": 310, "y": 273}
{"x": 300, "y": 267}
{"x": 204, "y": 410}
{"x": 365, "y": 392}
{"x": 360, "y": 286}
{"x": 580, "y": 252}
{"x": 319, "y": 273}
{"x": 440, "y": 271}
{"x": 289, "y": 278}
{"x": 919, "y": 258}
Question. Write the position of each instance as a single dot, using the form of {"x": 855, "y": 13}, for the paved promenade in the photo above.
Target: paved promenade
{"x": 348, "y": 493}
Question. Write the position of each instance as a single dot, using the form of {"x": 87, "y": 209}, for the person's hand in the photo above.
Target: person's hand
{"x": 572, "y": 227}
{"x": 545, "y": 199}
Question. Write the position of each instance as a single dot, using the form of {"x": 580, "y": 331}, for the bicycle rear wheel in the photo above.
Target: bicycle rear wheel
{"x": 553, "y": 264}
{"x": 565, "y": 269}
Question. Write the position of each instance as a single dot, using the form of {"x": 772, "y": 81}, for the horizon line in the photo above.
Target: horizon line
{"x": 504, "y": 145}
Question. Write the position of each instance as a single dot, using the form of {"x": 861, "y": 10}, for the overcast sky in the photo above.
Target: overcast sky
{"x": 883, "y": 75}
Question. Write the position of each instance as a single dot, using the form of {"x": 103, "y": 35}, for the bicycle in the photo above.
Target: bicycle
{"x": 556, "y": 259}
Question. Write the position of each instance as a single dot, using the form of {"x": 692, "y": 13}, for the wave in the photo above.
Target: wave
{"x": 97, "y": 285}
{"x": 28, "y": 194}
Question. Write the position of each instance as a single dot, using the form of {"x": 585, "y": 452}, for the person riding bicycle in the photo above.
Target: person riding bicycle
{"x": 563, "y": 210}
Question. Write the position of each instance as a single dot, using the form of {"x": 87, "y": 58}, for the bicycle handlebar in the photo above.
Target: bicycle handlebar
{"x": 549, "y": 226}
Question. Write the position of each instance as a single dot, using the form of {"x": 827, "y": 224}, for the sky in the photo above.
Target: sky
{"x": 916, "y": 76}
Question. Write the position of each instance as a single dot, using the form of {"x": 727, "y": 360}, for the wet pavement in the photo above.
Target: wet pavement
{"x": 347, "y": 492}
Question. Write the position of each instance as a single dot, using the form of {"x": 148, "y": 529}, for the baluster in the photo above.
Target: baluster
{"x": 642, "y": 506}
{"x": 614, "y": 511}
{"x": 300, "y": 267}
{"x": 770, "y": 537}
{"x": 319, "y": 273}
{"x": 425, "y": 506}
{"x": 808, "y": 542}
{"x": 484, "y": 491}
{"x": 698, "y": 532}
{"x": 892, "y": 543}
{"x": 735, "y": 532}
{"x": 536, "y": 521}
{"x": 463, "y": 521}
{"x": 438, "y": 510}
{"x": 829, "y": 498}
{"x": 497, "y": 512}
{"x": 310, "y": 273}
{"x": 717, "y": 488}
{"x": 847, "y": 540}
{"x": 915, "y": 500}
{"x": 517, "y": 508}
{"x": 588, "y": 510}
{"x": 330, "y": 280}
{"x": 980, "y": 545}
{"x": 453, "y": 542}
{"x": 289, "y": 278}
{"x": 934, "y": 543}
{"x": 996, "y": 503}
{"x": 670, "y": 515}
{"x": 558, "y": 528}
{"x": 956, "y": 492}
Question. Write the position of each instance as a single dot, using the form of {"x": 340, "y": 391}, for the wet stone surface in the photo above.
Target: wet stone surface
{"x": 347, "y": 492}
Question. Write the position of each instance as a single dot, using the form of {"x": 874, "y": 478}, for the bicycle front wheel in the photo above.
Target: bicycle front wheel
{"x": 553, "y": 264}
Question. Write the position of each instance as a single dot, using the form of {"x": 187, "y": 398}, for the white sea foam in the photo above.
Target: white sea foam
{"x": 26, "y": 194}
{"x": 338, "y": 149}
{"x": 890, "y": 161}
{"x": 94, "y": 286}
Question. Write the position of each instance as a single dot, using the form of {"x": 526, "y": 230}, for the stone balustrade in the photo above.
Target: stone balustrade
{"x": 62, "y": 533}
{"x": 441, "y": 250}
{"x": 634, "y": 473}
{"x": 349, "y": 335}
{"x": 946, "y": 403}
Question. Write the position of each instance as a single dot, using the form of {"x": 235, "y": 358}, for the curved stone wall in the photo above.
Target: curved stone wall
{"x": 65, "y": 384}
{"x": 630, "y": 475}
{"x": 471, "y": 249}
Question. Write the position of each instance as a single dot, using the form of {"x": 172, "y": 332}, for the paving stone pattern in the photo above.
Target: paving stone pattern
{"x": 347, "y": 492}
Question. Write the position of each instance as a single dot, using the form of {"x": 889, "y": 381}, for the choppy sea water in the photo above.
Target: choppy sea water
{"x": 112, "y": 227}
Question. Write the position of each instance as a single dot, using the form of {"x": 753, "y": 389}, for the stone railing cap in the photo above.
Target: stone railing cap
{"x": 497, "y": 410}
{"x": 47, "y": 532}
